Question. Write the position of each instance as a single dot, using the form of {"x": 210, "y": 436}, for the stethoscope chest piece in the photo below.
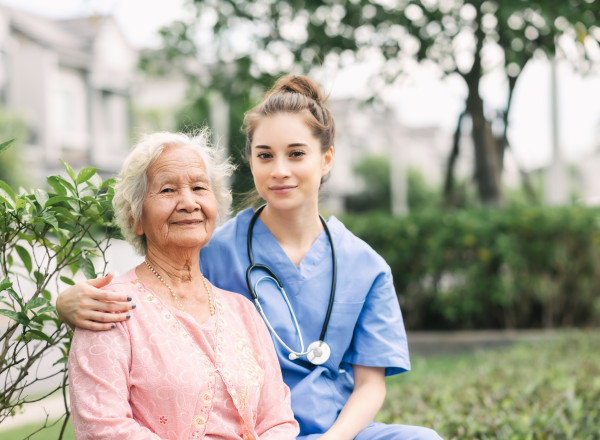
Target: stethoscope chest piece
{"x": 318, "y": 352}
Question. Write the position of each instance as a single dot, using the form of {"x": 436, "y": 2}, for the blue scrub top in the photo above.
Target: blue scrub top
{"x": 365, "y": 328}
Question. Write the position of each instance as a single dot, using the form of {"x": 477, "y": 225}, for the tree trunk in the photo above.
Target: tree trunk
{"x": 503, "y": 145}
{"x": 487, "y": 168}
{"x": 449, "y": 196}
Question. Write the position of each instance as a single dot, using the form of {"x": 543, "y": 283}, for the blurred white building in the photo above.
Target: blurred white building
{"x": 364, "y": 130}
{"x": 71, "y": 81}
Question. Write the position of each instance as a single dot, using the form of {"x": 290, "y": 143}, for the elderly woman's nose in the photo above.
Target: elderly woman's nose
{"x": 188, "y": 200}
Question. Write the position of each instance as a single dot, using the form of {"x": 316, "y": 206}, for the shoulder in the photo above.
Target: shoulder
{"x": 123, "y": 282}
{"x": 232, "y": 226}
{"x": 351, "y": 248}
{"x": 130, "y": 285}
{"x": 235, "y": 303}
{"x": 230, "y": 232}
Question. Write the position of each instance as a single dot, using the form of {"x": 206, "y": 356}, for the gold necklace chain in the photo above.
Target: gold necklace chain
{"x": 211, "y": 307}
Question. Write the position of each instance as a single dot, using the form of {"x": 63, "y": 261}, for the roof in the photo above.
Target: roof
{"x": 73, "y": 37}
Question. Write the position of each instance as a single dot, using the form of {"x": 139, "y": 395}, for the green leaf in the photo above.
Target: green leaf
{"x": 5, "y": 145}
{"x": 5, "y": 284}
{"x": 57, "y": 185}
{"x": 62, "y": 360}
{"x": 46, "y": 310}
{"x": 36, "y": 334}
{"x": 108, "y": 183}
{"x": 65, "y": 184}
{"x": 67, "y": 280}
{"x": 6, "y": 191}
{"x": 36, "y": 302}
{"x": 87, "y": 267}
{"x": 25, "y": 257}
{"x": 15, "y": 296}
{"x": 74, "y": 267}
{"x": 39, "y": 277}
{"x": 68, "y": 169}
{"x": 6, "y": 201}
{"x": 21, "y": 203}
{"x": 41, "y": 196}
{"x": 41, "y": 318}
{"x": 85, "y": 174}
{"x": 58, "y": 199}
{"x": 46, "y": 294}
{"x": 9, "y": 313}
{"x": 49, "y": 218}
{"x": 19, "y": 317}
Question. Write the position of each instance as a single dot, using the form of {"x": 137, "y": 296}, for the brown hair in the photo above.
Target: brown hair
{"x": 293, "y": 94}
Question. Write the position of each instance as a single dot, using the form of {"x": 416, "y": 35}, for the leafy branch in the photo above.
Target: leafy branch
{"x": 46, "y": 238}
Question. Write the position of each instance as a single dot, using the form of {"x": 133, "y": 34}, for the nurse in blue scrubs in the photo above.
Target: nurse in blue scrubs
{"x": 339, "y": 385}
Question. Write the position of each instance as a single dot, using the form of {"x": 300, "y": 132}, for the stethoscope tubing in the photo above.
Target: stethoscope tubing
{"x": 302, "y": 351}
{"x": 272, "y": 276}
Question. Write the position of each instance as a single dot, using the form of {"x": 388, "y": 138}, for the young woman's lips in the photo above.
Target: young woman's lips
{"x": 282, "y": 189}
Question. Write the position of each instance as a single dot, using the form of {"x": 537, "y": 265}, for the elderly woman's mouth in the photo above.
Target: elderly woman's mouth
{"x": 187, "y": 222}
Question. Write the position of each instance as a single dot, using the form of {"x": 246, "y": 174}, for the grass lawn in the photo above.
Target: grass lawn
{"x": 50, "y": 433}
{"x": 548, "y": 389}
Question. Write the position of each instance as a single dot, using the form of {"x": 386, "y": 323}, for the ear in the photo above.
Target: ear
{"x": 137, "y": 227}
{"x": 327, "y": 161}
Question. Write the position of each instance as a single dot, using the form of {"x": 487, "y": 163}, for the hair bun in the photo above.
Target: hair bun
{"x": 298, "y": 84}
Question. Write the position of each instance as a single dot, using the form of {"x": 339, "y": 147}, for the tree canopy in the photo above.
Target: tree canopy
{"x": 245, "y": 44}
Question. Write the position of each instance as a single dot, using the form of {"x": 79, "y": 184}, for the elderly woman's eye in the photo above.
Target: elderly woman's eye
{"x": 166, "y": 190}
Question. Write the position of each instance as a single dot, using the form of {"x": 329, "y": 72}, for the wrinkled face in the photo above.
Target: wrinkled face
{"x": 287, "y": 163}
{"x": 180, "y": 208}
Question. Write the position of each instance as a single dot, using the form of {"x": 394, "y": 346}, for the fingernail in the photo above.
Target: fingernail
{"x": 128, "y": 298}
{"x": 112, "y": 326}
{"x": 133, "y": 306}
{"x": 128, "y": 316}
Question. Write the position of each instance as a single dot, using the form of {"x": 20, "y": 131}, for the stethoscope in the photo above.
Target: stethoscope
{"x": 319, "y": 351}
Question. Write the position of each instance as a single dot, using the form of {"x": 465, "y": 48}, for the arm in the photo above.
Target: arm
{"x": 87, "y": 306}
{"x": 99, "y": 387}
{"x": 362, "y": 405}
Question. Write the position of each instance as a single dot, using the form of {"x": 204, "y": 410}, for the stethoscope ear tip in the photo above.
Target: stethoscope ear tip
{"x": 292, "y": 357}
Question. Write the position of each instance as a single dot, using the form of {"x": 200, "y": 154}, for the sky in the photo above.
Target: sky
{"x": 424, "y": 100}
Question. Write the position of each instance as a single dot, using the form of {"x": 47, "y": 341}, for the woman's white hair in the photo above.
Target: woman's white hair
{"x": 131, "y": 186}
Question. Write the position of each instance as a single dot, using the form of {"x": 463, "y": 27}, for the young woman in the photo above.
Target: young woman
{"x": 327, "y": 297}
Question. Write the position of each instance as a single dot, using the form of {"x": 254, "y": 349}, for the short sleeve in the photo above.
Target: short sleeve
{"x": 379, "y": 336}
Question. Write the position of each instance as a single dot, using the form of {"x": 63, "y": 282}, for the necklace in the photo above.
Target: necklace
{"x": 211, "y": 307}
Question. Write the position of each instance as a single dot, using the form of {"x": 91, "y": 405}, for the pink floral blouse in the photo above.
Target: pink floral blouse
{"x": 163, "y": 375}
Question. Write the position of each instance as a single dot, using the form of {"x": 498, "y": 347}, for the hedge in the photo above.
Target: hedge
{"x": 518, "y": 267}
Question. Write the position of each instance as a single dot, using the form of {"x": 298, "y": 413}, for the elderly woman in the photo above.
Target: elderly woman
{"x": 195, "y": 361}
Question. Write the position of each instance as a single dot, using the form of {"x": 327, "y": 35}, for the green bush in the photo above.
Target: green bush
{"x": 12, "y": 126}
{"x": 517, "y": 267}
{"x": 45, "y": 236}
{"x": 544, "y": 389}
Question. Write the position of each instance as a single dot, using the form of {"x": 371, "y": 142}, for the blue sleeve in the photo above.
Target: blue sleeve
{"x": 379, "y": 335}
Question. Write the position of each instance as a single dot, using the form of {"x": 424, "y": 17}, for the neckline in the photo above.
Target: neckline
{"x": 208, "y": 322}
{"x": 277, "y": 257}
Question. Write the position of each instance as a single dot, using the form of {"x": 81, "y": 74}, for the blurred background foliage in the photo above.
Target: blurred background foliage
{"x": 517, "y": 267}
{"x": 12, "y": 126}
{"x": 248, "y": 44}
